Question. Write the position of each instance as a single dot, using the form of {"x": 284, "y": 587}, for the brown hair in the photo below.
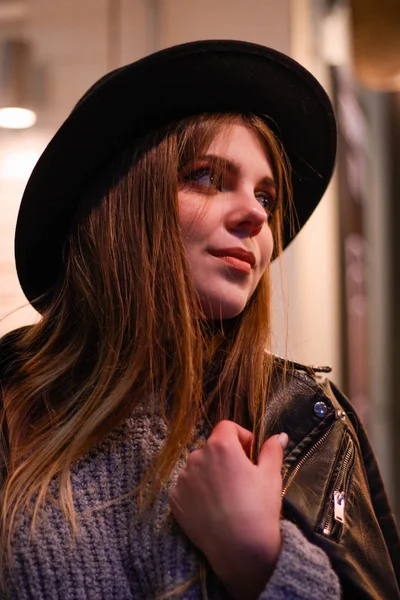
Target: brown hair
{"x": 125, "y": 307}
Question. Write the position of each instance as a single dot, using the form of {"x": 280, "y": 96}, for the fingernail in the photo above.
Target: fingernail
{"x": 283, "y": 439}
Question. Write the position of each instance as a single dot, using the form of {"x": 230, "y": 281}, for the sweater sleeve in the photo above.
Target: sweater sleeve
{"x": 303, "y": 571}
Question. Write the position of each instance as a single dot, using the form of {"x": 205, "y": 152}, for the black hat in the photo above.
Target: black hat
{"x": 193, "y": 78}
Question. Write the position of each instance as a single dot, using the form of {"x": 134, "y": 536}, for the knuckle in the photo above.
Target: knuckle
{"x": 224, "y": 425}
{"x": 219, "y": 445}
{"x": 194, "y": 458}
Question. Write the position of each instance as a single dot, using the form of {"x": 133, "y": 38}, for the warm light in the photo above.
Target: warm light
{"x": 17, "y": 118}
{"x": 376, "y": 43}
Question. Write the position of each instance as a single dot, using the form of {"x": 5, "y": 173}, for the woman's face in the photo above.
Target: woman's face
{"x": 225, "y": 200}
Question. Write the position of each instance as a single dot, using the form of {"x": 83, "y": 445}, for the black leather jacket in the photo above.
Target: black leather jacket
{"x": 332, "y": 487}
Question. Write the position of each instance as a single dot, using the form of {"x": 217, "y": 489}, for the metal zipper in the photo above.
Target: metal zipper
{"x": 305, "y": 458}
{"x": 336, "y": 511}
{"x": 339, "y": 503}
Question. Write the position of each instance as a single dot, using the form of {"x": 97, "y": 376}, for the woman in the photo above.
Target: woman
{"x": 143, "y": 422}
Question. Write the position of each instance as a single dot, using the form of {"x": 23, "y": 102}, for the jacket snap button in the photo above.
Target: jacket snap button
{"x": 341, "y": 414}
{"x": 321, "y": 409}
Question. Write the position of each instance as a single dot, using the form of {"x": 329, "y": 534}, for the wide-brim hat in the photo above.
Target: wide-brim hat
{"x": 189, "y": 79}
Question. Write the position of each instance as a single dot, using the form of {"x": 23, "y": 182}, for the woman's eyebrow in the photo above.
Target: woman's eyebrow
{"x": 232, "y": 166}
{"x": 267, "y": 180}
{"x": 222, "y": 163}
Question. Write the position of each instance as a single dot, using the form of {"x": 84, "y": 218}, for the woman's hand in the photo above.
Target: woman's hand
{"x": 230, "y": 507}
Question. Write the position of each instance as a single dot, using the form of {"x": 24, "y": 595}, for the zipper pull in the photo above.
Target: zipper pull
{"x": 339, "y": 502}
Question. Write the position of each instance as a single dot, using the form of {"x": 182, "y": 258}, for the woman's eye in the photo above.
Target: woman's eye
{"x": 204, "y": 177}
{"x": 268, "y": 201}
{"x": 265, "y": 200}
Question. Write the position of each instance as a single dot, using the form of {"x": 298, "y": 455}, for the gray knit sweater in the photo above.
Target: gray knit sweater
{"x": 118, "y": 556}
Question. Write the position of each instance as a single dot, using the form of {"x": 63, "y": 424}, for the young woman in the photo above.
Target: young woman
{"x": 144, "y": 420}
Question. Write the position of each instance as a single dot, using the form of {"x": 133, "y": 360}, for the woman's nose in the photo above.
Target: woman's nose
{"x": 246, "y": 214}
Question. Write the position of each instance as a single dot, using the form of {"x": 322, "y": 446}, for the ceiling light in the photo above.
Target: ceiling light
{"x": 16, "y": 110}
{"x": 17, "y": 118}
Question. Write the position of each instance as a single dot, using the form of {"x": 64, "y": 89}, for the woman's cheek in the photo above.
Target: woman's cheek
{"x": 266, "y": 247}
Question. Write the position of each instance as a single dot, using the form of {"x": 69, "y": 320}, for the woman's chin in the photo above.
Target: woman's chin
{"x": 223, "y": 310}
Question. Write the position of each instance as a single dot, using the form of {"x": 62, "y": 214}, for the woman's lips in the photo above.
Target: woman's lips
{"x": 236, "y": 263}
{"x": 236, "y": 258}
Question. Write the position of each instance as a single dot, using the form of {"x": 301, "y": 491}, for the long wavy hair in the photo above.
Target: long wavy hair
{"x": 124, "y": 324}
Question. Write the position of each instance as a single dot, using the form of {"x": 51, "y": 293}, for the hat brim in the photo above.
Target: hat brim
{"x": 193, "y": 78}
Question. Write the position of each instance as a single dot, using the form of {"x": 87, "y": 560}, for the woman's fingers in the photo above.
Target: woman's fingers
{"x": 228, "y": 432}
{"x": 270, "y": 460}
{"x": 271, "y": 453}
{"x": 230, "y": 507}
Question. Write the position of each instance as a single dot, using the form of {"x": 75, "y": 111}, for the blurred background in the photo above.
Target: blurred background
{"x": 337, "y": 295}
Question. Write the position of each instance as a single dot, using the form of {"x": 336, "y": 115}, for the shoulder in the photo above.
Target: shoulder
{"x": 295, "y": 382}
{"x": 298, "y": 379}
{"x": 291, "y": 365}
{"x": 304, "y": 402}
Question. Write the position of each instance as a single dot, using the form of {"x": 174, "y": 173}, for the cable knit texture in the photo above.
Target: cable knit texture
{"x": 119, "y": 556}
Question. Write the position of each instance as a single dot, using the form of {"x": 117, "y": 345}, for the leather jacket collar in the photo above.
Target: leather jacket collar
{"x": 332, "y": 486}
